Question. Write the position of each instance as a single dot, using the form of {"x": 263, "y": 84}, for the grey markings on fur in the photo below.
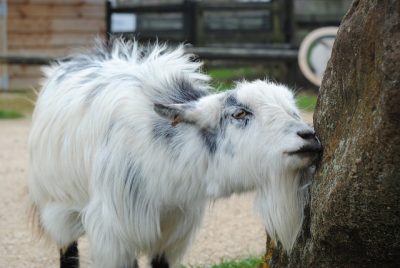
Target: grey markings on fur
{"x": 163, "y": 129}
{"x": 133, "y": 174}
{"x": 184, "y": 91}
{"x": 231, "y": 100}
{"x": 74, "y": 65}
{"x": 210, "y": 139}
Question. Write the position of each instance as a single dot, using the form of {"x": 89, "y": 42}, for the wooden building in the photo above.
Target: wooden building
{"x": 51, "y": 28}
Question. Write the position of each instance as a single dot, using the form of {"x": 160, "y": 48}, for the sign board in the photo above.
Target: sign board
{"x": 123, "y": 22}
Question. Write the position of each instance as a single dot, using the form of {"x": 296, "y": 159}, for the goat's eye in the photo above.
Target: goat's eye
{"x": 240, "y": 114}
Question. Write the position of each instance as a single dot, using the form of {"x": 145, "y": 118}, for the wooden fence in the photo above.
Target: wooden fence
{"x": 209, "y": 23}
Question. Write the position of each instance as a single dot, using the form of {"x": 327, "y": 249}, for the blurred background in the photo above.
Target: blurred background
{"x": 236, "y": 39}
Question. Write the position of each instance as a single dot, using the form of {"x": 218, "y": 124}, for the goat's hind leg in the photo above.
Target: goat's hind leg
{"x": 63, "y": 225}
{"x": 69, "y": 257}
{"x": 110, "y": 246}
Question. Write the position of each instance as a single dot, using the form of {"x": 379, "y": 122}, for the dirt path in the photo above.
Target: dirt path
{"x": 230, "y": 230}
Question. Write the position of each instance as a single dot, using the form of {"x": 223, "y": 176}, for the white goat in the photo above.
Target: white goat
{"x": 128, "y": 145}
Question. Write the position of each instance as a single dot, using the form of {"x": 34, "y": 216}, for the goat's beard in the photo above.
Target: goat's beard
{"x": 281, "y": 204}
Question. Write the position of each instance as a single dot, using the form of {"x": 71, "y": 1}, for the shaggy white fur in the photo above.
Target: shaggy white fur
{"x": 128, "y": 145}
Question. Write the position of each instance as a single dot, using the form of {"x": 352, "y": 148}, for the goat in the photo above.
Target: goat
{"x": 129, "y": 143}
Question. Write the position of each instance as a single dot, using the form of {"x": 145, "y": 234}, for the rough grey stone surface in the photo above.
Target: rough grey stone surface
{"x": 354, "y": 215}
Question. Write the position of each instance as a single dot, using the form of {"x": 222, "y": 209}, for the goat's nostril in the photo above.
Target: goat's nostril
{"x": 307, "y": 135}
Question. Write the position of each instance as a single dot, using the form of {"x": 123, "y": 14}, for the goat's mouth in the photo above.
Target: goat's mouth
{"x": 308, "y": 150}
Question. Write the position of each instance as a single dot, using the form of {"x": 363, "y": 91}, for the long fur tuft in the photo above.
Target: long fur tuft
{"x": 34, "y": 221}
{"x": 281, "y": 205}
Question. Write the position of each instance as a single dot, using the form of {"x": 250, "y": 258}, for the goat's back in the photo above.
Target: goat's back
{"x": 97, "y": 100}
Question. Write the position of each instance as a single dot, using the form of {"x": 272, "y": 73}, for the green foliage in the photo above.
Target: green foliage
{"x": 306, "y": 102}
{"x": 223, "y": 86}
{"x": 4, "y": 114}
{"x": 235, "y": 73}
{"x": 252, "y": 262}
{"x": 16, "y": 104}
{"x": 223, "y": 78}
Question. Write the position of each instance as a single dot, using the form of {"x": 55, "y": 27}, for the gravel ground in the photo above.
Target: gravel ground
{"x": 231, "y": 230}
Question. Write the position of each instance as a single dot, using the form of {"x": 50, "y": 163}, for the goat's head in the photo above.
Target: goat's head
{"x": 256, "y": 141}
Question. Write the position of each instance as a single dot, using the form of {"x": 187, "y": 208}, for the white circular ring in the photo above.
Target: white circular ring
{"x": 305, "y": 47}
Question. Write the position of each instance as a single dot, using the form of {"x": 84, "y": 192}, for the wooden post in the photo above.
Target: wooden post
{"x": 288, "y": 33}
{"x": 276, "y": 21}
{"x": 3, "y": 44}
{"x": 193, "y": 22}
{"x": 199, "y": 13}
{"x": 288, "y": 24}
{"x": 108, "y": 20}
{"x": 188, "y": 22}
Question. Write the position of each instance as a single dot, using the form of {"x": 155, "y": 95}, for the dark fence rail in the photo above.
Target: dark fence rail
{"x": 260, "y": 54}
{"x": 206, "y": 53}
{"x": 25, "y": 59}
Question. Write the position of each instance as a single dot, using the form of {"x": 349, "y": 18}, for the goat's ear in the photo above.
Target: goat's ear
{"x": 204, "y": 113}
{"x": 176, "y": 113}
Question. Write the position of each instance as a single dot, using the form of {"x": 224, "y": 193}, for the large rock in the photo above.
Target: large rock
{"x": 354, "y": 215}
